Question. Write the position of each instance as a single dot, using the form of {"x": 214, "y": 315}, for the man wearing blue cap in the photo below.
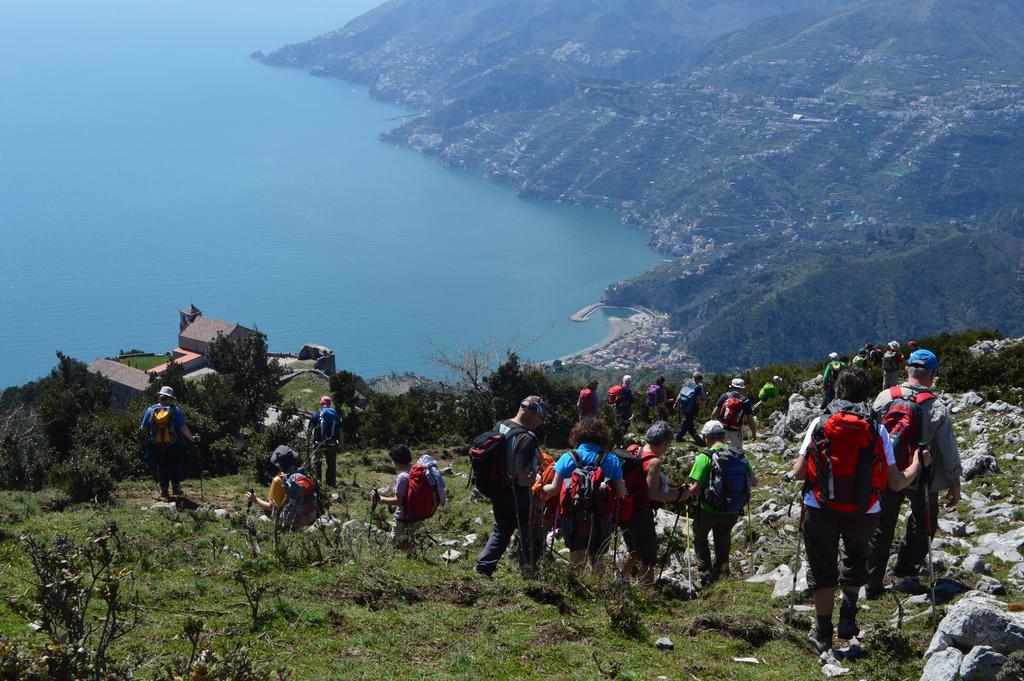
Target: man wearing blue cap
{"x": 913, "y": 416}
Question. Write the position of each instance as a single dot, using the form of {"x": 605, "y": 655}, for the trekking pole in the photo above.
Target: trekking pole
{"x": 373, "y": 508}
{"x": 671, "y": 535}
{"x": 750, "y": 541}
{"x": 689, "y": 563}
{"x": 925, "y": 476}
{"x": 799, "y": 557}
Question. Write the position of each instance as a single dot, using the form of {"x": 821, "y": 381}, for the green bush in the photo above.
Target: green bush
{"x": 87, "y": 474}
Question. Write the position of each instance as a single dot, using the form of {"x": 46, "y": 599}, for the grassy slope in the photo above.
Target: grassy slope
{"x": 415, "y": 621}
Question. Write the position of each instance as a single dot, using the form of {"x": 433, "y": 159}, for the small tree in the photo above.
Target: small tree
{"x": 72, "y": 394}
{"x": 254, "y": 376}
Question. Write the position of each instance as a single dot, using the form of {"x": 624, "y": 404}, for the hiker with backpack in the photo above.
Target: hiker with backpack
{"x": 418, "y": 492}
{"x": 734, "y": 411}
{"x": 913, "y": 416}
{"x": 620, "y": 397}
{"x": 647, "y": 488}
{"x": 327, "y": 438}
{"x": 892, "y": 360}
{"x": 162, "y": 423}
{"x": 828, "y": 377}
{"x": 770, "y": 390}
{"x": 688, "y": 403}
{"x": 846, "y": 461}
{"x": 292, "y": 497}
{"x": 721, "y": 479}
{"x": 587, "y": 403}
{"x": 588, "y": 483}
{"x": 655, "y": 395}
{"x": 504, "y": 462}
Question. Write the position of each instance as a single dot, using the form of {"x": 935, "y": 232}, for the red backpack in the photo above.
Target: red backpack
{"x": 613, "y": 393}
{"x": 584, "y": 491}
{"x": 846, "y": 468}
{"x": 588, "y": 401}
{"x": 634, "y": 475}
{"x": 421, "y": 499}
{"x": 903, "y": 419}
{"x": 732, "y": 411}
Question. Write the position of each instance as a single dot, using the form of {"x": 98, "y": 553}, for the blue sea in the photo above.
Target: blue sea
{"x": 147, "y": 163}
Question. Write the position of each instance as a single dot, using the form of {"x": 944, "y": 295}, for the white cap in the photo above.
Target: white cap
{"x": 167, "y": 391}
{"x": 738, "y": 383}
{"x": 712, "y": 428}
{"x": 833, "y": 355}
{"x": 627, "y": 379}
{"x": 777, "y": 379}
{"x": 894, "y": 345}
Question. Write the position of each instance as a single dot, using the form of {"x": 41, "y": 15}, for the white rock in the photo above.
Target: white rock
{"x": 469, "y": 540}
{"x": 943, "y": 666}
{"x": 832, "y": 671}
{"x": 977, "y": 620}
{"x": 665, "y": 643}
{"x": 352, "y": 526}
{"x": 784, "y": 587}
{"x": 782, "y": 572}
{"x": 221, "y": 513}
{"x": 976, "y": 564}
{"x": 449, "y": 544}
{"x": 954, "y": 528}
{"x": 451, "y": 555}
{"x": 981, "y": 664}
{"x": 979, "y": 465}
{"x": 164, "y": 506}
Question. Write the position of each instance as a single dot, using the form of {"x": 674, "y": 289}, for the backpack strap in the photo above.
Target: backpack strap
{"x": 870, "y": 448}
{"x": 576, "y": 459}
{"x": 896, "y": 392}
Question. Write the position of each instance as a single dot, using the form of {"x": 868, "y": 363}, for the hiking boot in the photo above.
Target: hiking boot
{"x": 873, "y": 594}
{"x": 847, "y": 623}
{"x": 821, "y": 640}
{"x": 910, "y": 585}
{"x": 178, "y": 492}
{"x": 164, "y": 496}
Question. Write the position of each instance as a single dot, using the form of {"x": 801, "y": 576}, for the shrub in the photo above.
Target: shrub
{"x": 86, "y": 475}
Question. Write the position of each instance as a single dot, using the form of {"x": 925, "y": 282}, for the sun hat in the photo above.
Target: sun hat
{"x": 283, "y": 456}
{"x": 833, "y": 355}
{"x": 167, "y": 391}
{"x": 738, "y": 383}
{"x": 712, "y": 428}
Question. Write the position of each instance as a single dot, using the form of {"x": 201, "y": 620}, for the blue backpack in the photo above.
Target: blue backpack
{"x": 728, "y": 490}
{"x": 687, "y": 399}
{"x": 328, "y": 426}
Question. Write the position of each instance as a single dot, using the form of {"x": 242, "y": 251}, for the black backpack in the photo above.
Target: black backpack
{"x": 489, "y": 457}
{"x": 728, "y": 489}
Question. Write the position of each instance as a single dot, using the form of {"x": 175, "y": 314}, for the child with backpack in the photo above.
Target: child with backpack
{"x": 588, "y": 483}
{"x": 418, "y": 492}
{"x": 292, "y": 496}
{"x": 721, "y": 478}
{"x": 847, "y": 462}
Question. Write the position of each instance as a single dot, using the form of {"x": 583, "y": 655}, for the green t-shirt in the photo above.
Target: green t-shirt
{"x": 768, "y": 392}
{"x": 831, "y": 369}
{"x": 701, "y": 472}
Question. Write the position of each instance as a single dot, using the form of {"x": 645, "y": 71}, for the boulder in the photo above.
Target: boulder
{"x": 953, "y": 528}
{"x": 981, "y": 664}
{"x": 979, "y": 465}
{"x": 975, "y": 563}
{"x": 221, "y": 513}
{"x": 943, "y": 666}
{"x": 451, "y": 555}
{"x": 990, "y": 585}
{"x": 164, "y": 507}
{"x": 798, "y": 417}
{"x": 665, "y": 643}
{"x": 784, "y": 587}
{"x": 977, "y": 620}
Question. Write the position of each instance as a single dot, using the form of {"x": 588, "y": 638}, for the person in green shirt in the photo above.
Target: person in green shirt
{"x": 828, "y": 377}
{"x": 770, "y": 389}
{"x": 708, "y": 520}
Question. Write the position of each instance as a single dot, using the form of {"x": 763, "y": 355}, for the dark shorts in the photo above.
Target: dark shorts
{"x": 585, "y": 532}
{"x": 641, "y": 537}
{"x": 828, "y": 566}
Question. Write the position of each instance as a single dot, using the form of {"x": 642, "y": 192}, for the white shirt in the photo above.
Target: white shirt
{"x": 890, "y": 460}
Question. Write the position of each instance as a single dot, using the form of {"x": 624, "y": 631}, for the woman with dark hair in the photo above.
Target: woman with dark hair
{"x": 585, "y": 517}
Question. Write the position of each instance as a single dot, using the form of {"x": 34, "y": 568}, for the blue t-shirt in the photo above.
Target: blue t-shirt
{"x": 331, "y": 422}
{"x": 179, "y": 418}
{"x": 588, "y": 454}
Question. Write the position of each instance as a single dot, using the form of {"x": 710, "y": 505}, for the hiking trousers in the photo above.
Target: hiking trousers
{"x": 913, "y": 547}
{"x": 719, "y": 525}
{"x": 328, "y": 453}
{"x": 689, "y": 428}
{"x": 830, "y": 394}
{"x": 828, "y": 564}
{"x": 168, "y": 465}
{"x": 511, "y": 512}
{"x": 890, "y": 378}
